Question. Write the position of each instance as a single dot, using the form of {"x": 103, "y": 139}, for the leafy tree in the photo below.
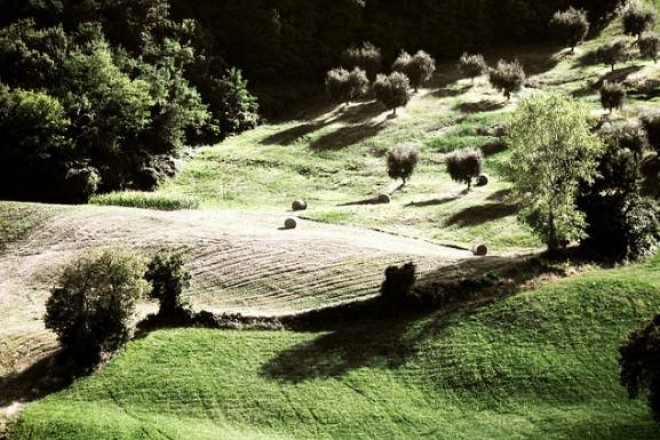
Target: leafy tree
{"x": 640, "y": 364}
{"x": 507, "y": 77}
{"x": 399, "y": 282}
{"x": 612, "y": 95}
{"x": 553, "y": 151}
{"x": 401, "y": 162}
{"x": 34, "y": 144}
{"x": 463, "y": 166}
{"x": 92, "y": 306}
{"x": 638, "y": 17}
{"x": 472, "y": 66}
{"x": 366, "y": 57}
{"x": 612, "y": 53}
{"x": 649, "y": 45}
{"x": 169, "y": 278}
{"x": 392, "y": 90}
{"x": 418, "y": 68}
{"x": 571, "y": 26}
{"x": 628, "y": 135}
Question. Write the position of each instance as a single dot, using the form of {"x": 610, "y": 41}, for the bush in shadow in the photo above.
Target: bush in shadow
{"x": 398, "y": 284}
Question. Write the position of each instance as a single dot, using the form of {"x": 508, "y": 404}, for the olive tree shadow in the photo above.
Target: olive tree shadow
{"x": 477, "y": 215}
{"x": 347, "y": 136}
{"x": 432, "y": 202}
{"x": 485, "y": 105}
{"x": 618, "y": 75}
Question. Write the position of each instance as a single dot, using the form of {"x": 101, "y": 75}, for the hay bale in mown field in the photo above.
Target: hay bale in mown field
{"x": 384, "y": 198}
{"x": 290, "y": 223}
{"x": 483, "y": 180}
{"x": 480, "y": 249}
{"x": 299, "y": 205}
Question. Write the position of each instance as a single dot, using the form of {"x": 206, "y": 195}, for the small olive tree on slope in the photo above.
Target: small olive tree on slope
{"x": 612, "y": 95}
{"x": 612, "y": 53}
{"x": 507, "y": 77}
{"x": 392, "y": 90}
{"x": 401, "y": 162}
{"x": 418, "y": 68}
{"x": 649, "y": 45}
{"x": 571, "y": 26}
{"x": 638, "y": 17}
{"x": 472, "y": 66}
{"x": 463, "y": 166}
{"x": 344, "y": 86}
{"x": 553, "y": 151}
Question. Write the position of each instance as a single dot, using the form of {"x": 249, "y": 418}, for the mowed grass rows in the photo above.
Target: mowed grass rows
{"x": 540, "y": 365}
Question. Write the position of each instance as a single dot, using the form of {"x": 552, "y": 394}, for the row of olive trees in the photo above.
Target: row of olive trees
{"x": 92, "y": 307}
{"x": 359, "y": 74}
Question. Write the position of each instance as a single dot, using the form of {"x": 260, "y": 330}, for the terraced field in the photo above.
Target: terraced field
{"x": 240, "y": 263}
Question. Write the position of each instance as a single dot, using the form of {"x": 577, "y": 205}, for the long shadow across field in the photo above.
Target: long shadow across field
{"x": 377, "y": 333}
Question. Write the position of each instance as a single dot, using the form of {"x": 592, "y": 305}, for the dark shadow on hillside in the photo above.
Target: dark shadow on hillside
{"x": 291, "y": 135}
{"x": 477, "y": 215}
{"x": 493, "y": 148}
{"x": 360, "y": 112}
{"x": 485, "y": 105}
{"x": 500, "y": 196}
{"x": 449, "y": 92}
{"x": 44, "y": 377}
{"x": 618, "y": 75}
{"x": 433, "y": 202}
{"x": 589, "y": 58}
{"x": 377, "y": 333}
{"x": 369, "y": 201}
{"x": 346, "y": 136}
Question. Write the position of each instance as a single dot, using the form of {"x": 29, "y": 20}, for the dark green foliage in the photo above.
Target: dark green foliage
{"x": 463, "y": 166}
{"x": 649, "y": 45}
{"x": 92, "y": 306}
{"x": 34, "y": 144}
{"x": 640, "y": 364}
{"x": 627, "y": 135}
{"x": 401, "y": 162}
{"x": 169, "y": 278}
{"x": 620, "y": 223}
{"x": 345, "y": 86}
{"x": 472, "y": 66}
{"x": 651, "y": 124}
{"x": 612, "y": 53}
{"x": 507, "y": 77}
{"x": 122, "y": 80}
{"x": 392, "y": 90}
{"x": 571, "y": 26}
{"x": 418, "y": 68}
{"x": 612, "y": 95}
{"x": 398, "y": 285}
{"x": 366, "y": 57}
{"x": 637, "y": 17}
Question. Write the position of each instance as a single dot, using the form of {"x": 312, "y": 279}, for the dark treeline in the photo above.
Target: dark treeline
{"x": 101, "y": 95}
{"x": 272, "y": 39}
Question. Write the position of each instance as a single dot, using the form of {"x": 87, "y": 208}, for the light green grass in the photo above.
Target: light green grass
{"x": 146, "y": 200}
{"x": 540, "y": 365}
{"x": 18, "y": 219}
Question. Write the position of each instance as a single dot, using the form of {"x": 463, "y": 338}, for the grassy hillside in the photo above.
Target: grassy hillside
{"x": 540, "y": 365}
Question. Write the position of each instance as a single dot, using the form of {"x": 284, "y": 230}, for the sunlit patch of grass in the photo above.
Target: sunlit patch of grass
{"x": 146, "y": 200}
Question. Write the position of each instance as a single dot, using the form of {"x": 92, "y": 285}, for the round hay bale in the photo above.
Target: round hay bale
{"x": 480, "y": 249}
{"x": 290, "y": 223}
{"x": 384, "y": 198}
{"x": 483, "y": 179}
{"x": 299, "y": 205}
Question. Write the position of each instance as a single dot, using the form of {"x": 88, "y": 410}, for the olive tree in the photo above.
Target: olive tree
{"x": 637, "y": 17}
{"x": 472, "y": 66}
{"x": 553, "y": 151}
{"x": 507, "y": 77}
{"x": 418, "y": 68}
{"x": 463, "y": 166}
{"x": 571, "y": 26}
{"x": 612, "y": 53}
{"x": 649, "y": 45}
{"x": 344, "y": 86}
{"x": 392, "y": 90}
{"x": 401, "y": 162}
{"x": 612, "y": 95}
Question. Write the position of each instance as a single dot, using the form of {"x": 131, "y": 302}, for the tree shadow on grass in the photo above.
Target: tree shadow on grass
{"x": 618, "y": 75}
{"x": 433, "y": 202}
{"x": 290, "y": 136}
{"x": 347, "y": 136}
{"x": 42, "y": 378}
{"x": 477, "y": 215}
{"x": 486, "y": 105}
{"x": 377, "y": 333}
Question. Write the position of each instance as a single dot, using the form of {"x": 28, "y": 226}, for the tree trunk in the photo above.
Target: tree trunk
{"x": 553, "y": 245}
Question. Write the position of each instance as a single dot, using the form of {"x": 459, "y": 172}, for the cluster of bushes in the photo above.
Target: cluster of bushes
{"x": 506, "y": 77}
{"x": 106, "y": 102}
{"x": 360, "y": 73}
{"x": 92, "y": 307}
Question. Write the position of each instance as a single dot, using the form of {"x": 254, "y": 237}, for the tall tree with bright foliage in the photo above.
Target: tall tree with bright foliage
{"x": 553, "y": 151}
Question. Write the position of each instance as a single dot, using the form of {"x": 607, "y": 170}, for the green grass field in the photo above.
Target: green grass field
{"x": 539, "y": 365}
